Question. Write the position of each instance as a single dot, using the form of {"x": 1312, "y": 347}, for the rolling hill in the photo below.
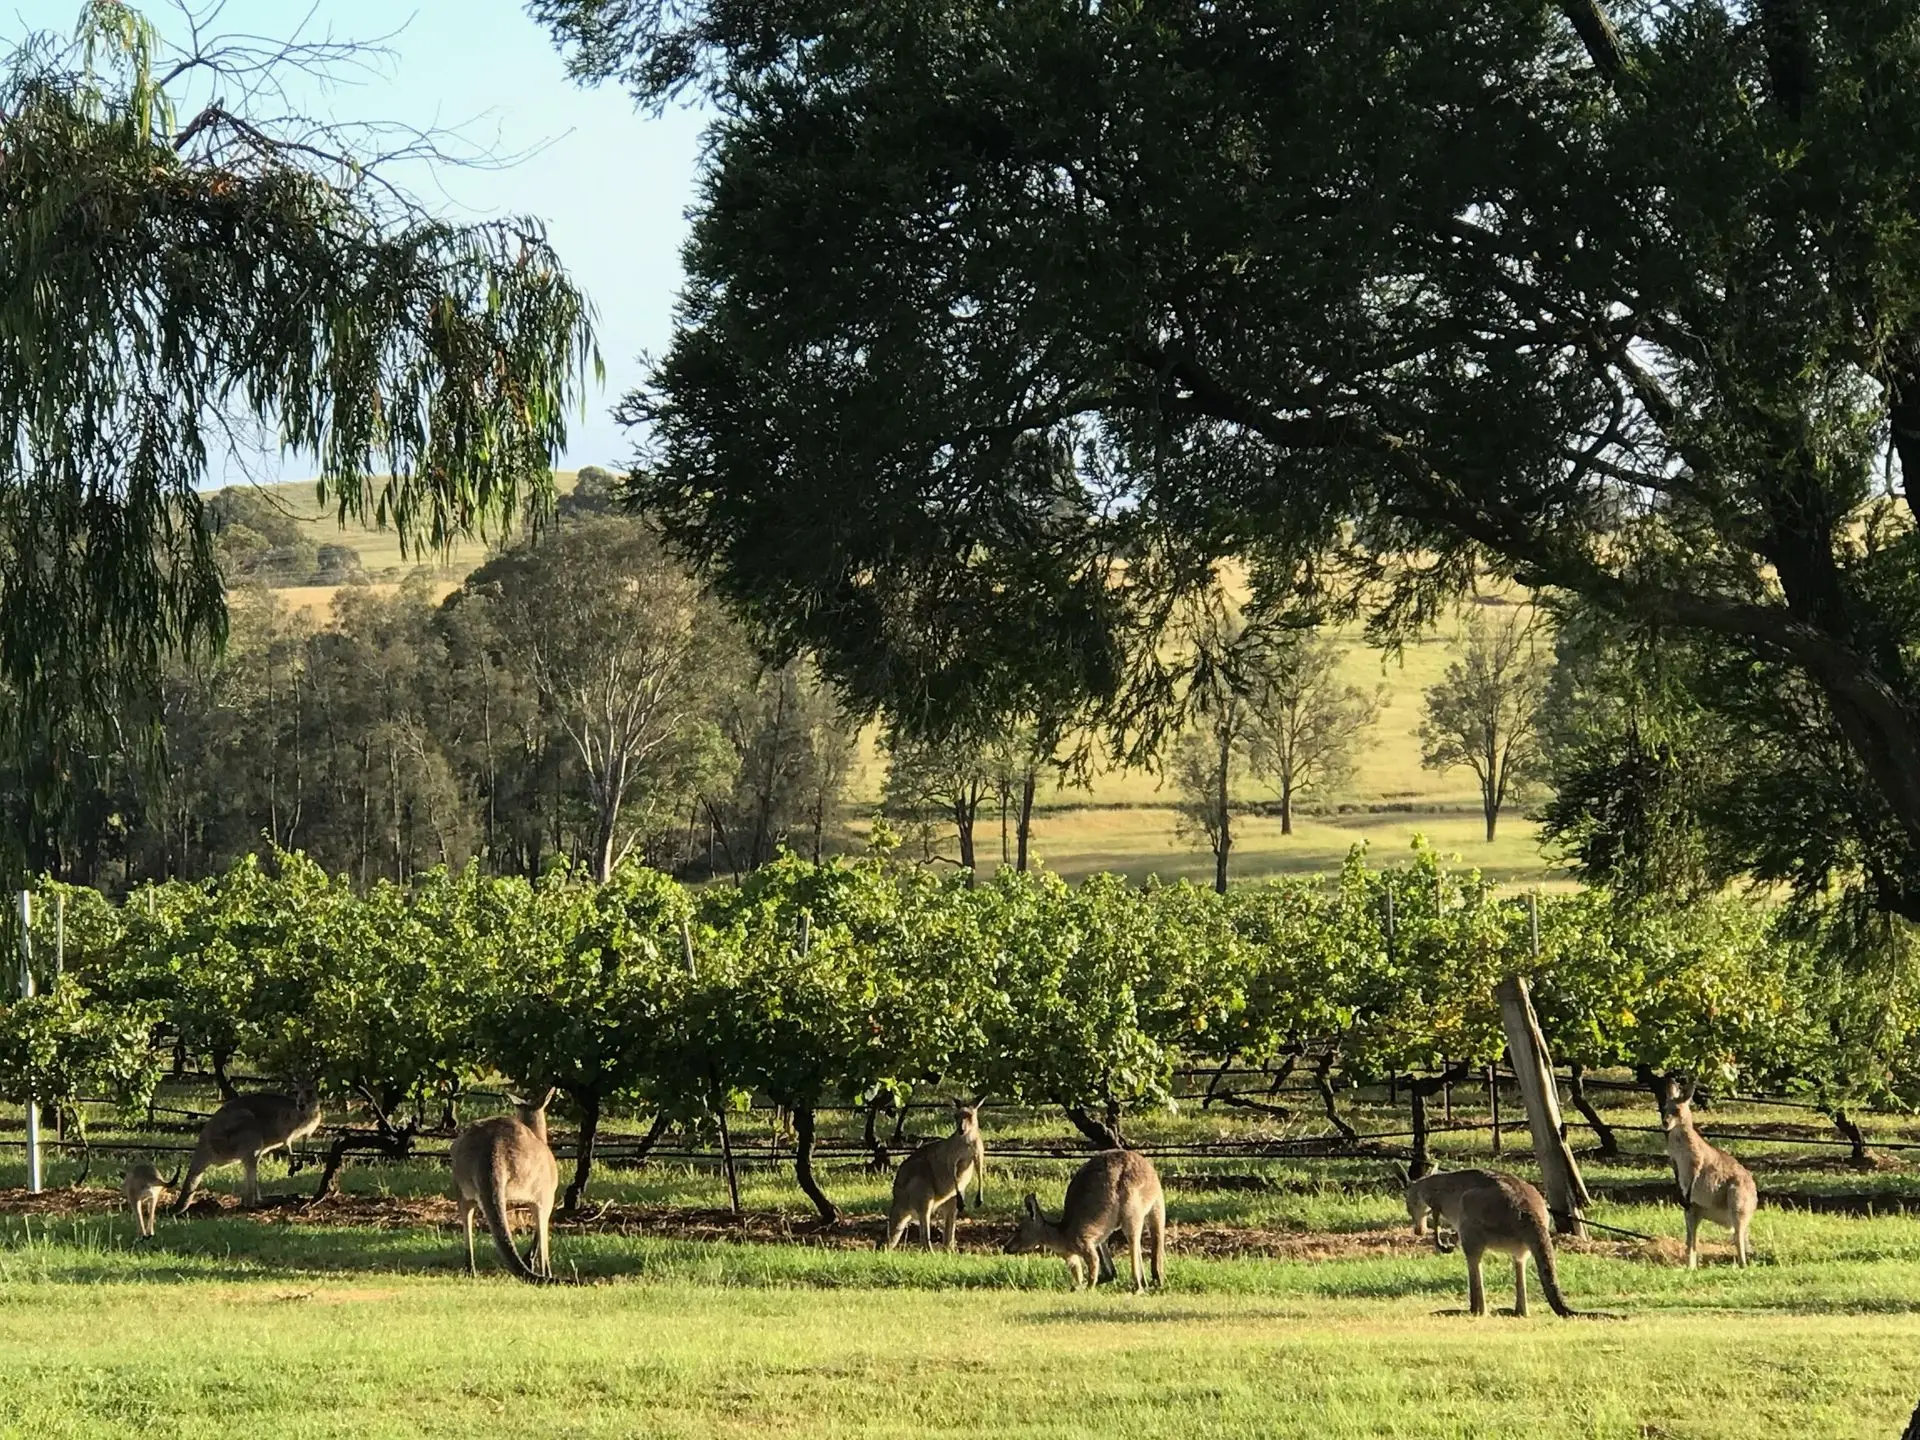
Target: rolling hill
{"x": 1125, "y": 821}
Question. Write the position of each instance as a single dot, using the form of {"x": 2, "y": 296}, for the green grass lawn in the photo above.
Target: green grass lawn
{"x": 1299, "y": 1308}
{"x": 237, "y": 1326}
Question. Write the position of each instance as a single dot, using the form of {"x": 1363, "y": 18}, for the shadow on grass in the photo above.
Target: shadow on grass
{"x": 1150, "y": 1311}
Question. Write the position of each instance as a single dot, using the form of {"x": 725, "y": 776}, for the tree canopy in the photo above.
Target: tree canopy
{"x": 175, "y": 283}
{"x": 1006, "y": 323}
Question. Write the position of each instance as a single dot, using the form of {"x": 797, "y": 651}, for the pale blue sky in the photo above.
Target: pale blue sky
{"x": 613, "y": 185}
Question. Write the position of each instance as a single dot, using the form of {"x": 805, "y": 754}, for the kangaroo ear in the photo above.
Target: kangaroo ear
{"x": 1686, "y": 1091}
{"x": 1032, "y": 1204}
{"x": 546, "y": 1098}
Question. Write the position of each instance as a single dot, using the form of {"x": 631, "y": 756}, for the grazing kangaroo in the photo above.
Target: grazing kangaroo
{"x": 1713, "y": 1185}
{"x": 929, "y": 1182}
{"x": 1115, "y": 1190}
{"x": 244, "y": 1129}
{"x": 1490, "y": 1212}
{"x": 501, "y": 1164}
{"x": 142, "y": 1188}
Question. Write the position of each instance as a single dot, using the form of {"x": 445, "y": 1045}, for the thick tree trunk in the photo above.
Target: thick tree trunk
{"x": 1323, "y": 1082}
{"x": 220, "y": 1058}
{"x": 803, "y": 1164}
{"x": 1213, "y": 1085}
{"x": 1286, "y": 808}
{"x": 879, "y": 1161}
{"x": 603, "y": 833}
{"x": 1421, "y": 1089}
{"x": 1422, "y": 1161}
{"x": 726, "y": 1159}
{"x": 1609, "y": 1142}
{"x": 963, "y": 818}
{"x": 1856, "y": 1138}
{"x": 1103, "y": 1133}
{"x": 1223, "y": 841}
{"x": 1284, "y": 1073}
{"x": 1024, "y": 834}
{"x": 583, "y": 1159}
{"x": 647, "y": 1141}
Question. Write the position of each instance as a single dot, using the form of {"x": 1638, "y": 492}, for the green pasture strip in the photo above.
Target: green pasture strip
{"x": 237, "y": 1326}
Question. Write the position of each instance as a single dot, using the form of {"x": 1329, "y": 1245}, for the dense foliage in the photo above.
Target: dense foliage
{"x": 816, "y": 985}
{"x": 176, "y": 281}
{"x": 1006, "y": 323}
{"x": 573, "y": 696}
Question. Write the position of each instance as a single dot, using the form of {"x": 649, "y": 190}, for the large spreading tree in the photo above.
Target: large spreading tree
{"x": 175, "y": 281}
{"x": 1006, "y": 321}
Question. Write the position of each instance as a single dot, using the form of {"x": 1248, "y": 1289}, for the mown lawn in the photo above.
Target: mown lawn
{"x": 1299, "y": 1306}
{"x": 250, "y": 1325}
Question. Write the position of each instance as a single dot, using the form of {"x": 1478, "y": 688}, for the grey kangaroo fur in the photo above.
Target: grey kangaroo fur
{"x": 929, "y": 1183}
{"x": 142, "y": 1187}
{"x": 1115, "y": 1190}
{"x": 1489, "y": 1211}
{"x": 1713, "y": 1185}
{"x": 504, "y": 1163}
{"x": 244, "y": 1129}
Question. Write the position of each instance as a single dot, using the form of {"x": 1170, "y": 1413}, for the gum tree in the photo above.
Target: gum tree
{"x": 1622, "y": 301}
{"x": 178, "y": 277}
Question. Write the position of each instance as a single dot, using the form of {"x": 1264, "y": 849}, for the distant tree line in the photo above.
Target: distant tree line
{"x": 576, "y": 697}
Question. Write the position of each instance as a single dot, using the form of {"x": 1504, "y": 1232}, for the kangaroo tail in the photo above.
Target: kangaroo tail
{"x": 1542, "y": 1246}
{"x": 493, "y": 1205}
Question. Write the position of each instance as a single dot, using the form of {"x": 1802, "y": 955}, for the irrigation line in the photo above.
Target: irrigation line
{"x": 1613, "y": 1229}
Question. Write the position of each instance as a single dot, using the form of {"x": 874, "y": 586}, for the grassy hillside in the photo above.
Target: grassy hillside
{"x": 1125, "y": 821}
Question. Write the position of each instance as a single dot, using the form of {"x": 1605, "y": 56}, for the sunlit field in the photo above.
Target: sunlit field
{"x": 1124, "y": 820}
{"x": 1299, "y": 1303}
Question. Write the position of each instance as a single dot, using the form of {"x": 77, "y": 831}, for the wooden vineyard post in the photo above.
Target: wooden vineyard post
{"x": 1533, "y": 1073}
{"x": 26, "y": 993}
{"x": 1493, "y": 1104}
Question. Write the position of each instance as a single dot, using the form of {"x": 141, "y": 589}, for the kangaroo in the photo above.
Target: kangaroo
{"x": 503, "y": 1163}
{"x": 142, "y": 1188}
{"x": 244, "y": 1129}
{"x": 1115, "y": 1190}
{"x": 1490, "y": 1212}
{"x": 1713, "y": 1185}
{"x": 929, "y": 1182}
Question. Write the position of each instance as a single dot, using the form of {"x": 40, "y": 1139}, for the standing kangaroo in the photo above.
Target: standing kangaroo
{"x": 1502, "y": 1213}
{"x": 929, "y": 1182}
{"x": 1115, "y": 1190}
{"x": 501, "y": 1164}
{"x": 1713, "y": 1185}
{"x": 244, "y": 1129}
{"x": 142, "y": 1188}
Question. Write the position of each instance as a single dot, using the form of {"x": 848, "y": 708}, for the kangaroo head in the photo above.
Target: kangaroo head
{"x": 1417, "y": 1207}
{"x": 533, "y": 1113}
{"x": 1030, "y": 1231}
{"x": 306, "y": 1093}
{"x": 1676, "y": 1105}
{"x": 966, "y": 1118}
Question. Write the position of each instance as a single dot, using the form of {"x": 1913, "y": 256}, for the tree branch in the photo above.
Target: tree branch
{"x": 1596, "y": 32}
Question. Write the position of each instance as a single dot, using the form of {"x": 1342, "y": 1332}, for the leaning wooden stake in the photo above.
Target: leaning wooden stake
{"x": 1533, "y": 1073}
{"x": 726, "y": 1157}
